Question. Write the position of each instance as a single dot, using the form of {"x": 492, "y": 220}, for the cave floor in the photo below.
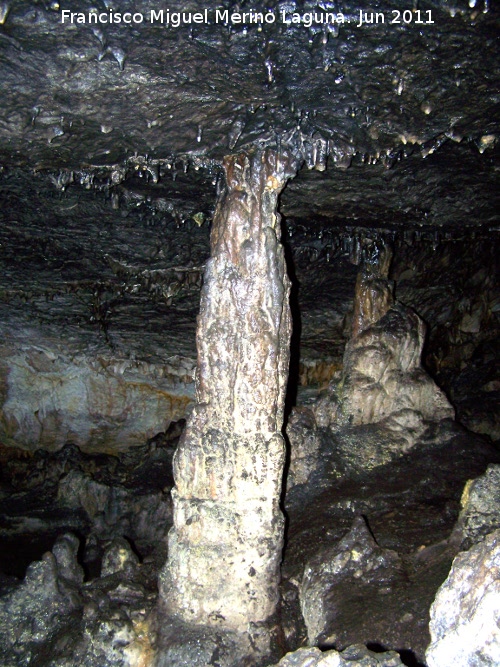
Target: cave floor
{"x": 410, "y": 506}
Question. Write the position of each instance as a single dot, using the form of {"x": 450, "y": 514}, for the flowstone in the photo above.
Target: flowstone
{"x": 225, "y": 546}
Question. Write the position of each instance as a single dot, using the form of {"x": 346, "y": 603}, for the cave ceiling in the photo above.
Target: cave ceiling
{"x": 404, "y": 116}
{"x": 112, "y": 139}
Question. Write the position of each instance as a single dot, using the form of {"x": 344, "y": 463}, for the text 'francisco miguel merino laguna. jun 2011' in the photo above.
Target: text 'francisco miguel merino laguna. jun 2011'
{"x": 172, "y": 19}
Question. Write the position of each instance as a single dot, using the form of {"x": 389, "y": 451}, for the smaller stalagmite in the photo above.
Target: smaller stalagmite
{"x": 383, "y": 381}
{"x": 374, "y": 292}
{"x": 225, "y": 546}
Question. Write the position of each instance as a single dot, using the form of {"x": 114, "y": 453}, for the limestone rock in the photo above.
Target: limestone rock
{"x": 37, "y": 611}
{"x": 383, "y": 377}
{"x": 52, "y": 394}
{"x": 353, "y": 656}
{"x": 383, "y": 381}
{"x": 225, "y": 547}
{"x": 480, "y": 513}
{"x": 54, "y": 619}
{"x": 115, "y": 511}
{"x": 65, "y": 551}
{"x": 118, "y": 557}
{"x": 304, "y": 445}
{"x": 356, "y": 567}
{"x": 187, "y": 645}
{"x": 373, "y": 291}
{"x": 465, "y": 616}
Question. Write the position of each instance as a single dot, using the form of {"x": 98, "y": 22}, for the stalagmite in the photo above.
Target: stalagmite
{"x": 383, "y": 381}
{"x": 373, "y": 294}
{"x": 225, "y": 546}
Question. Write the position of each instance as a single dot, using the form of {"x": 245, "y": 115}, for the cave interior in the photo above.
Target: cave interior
{"x": 114, "y": 145}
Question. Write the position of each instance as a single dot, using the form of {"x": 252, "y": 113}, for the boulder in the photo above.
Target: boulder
{"x": 339, "y": 580}
{"x": 353, "y": 656}
{"x": 480, "y": 513}
{"x": 465, "y": 615}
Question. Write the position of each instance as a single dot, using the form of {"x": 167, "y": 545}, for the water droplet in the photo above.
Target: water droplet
{"x": 119, "y": 55}
{"x": 426, "y": 108}
{"x": 4, "y": 12}
{"x": 269, "y": 68}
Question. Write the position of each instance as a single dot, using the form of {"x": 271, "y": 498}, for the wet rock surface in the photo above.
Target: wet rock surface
{"x": 304, "y": 446}
{"x": 382, "y": 382}
{"x": 410, "y": 506}
{"x": 53, "y": 617}
{"x": 480, "y": 512}
{"x": 53, "y": 395}
{"x": 382, "y": 379}
{"x": 209, "y": 87}
{"x": 101, "y": 497}
{"x": 225, "y": 547}
{"x": 338, "y": 578}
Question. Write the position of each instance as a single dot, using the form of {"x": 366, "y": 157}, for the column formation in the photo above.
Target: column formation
{"x": 225, "y": 545}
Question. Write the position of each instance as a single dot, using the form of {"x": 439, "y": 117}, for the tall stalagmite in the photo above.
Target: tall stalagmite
{"x": 225, "y": 546}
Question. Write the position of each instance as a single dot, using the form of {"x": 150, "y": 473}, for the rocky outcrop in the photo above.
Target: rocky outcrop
{"x": 465, "y": 616}
{"x": 45, "y": 604}
{"x": 53, "y": 617}
{"x": 354, "y": 569}
{"x": 51, "y": 394}
{"x": 480, "y": 513}
{"x": 113, "y": 511}
{"x": 225, "y": 547}
{"x": 353, "y": 656}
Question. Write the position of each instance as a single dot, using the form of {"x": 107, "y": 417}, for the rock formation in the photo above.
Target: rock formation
{"x": 52, "y": 616}
{"x": 225, "y": 547}
{"x": 353, "y": 656}
{"x": 374, "y": 292}
{"x": 356, "y": 568}
{"x": 54, "y": 392}
{"x": 465, "y": 616}
{"x": 383, "y": 381}
{"x": 480, "y": 513}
